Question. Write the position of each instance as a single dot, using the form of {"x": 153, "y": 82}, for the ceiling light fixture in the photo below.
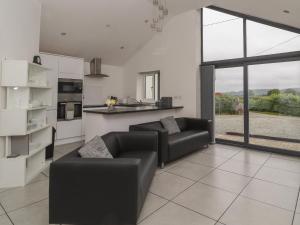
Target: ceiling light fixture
{"x": 122, "y": 47}
{"x": 160, "y": 12}
{"x": 107, "y": 25}
{"x": 286, "y": 11}
{"x": 63, "y": 34}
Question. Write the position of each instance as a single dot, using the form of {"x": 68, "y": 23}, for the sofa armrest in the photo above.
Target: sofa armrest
{"x": 85, "y": 191}
{"x": 163, "y": 137}
{"x": 199, "y": 124}
{"x": 137, "y": 141}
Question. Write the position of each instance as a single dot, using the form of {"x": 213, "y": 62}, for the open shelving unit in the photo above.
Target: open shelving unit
{"x": 23, "y": 122}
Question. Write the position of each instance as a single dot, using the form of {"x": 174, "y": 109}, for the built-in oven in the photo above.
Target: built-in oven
{"x": 69, "y": 86}
{"x": 69, "y": 110}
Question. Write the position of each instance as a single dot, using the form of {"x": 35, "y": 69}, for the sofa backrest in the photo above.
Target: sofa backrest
{"x": 112, "y": 144}
{"x": 158, "y": 125}
{"x": 181, "y": 122}
{"x": 154, "y": 125}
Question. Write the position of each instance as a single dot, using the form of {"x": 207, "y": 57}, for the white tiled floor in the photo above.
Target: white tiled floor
{"x": 222, "y": 185}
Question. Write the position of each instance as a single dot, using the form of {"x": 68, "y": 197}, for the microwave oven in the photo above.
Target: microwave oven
{"x": 69, "y": 86}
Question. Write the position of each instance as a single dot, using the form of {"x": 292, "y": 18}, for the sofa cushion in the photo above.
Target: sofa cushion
{"x": 95, "y": 148}
{"x": 185, "y": 142}
{"x": 170, "y": 124}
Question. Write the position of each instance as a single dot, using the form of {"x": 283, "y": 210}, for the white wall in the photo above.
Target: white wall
{"x": 96, "y": 90}
{"x": 176, "y": 53}
{"x": 19, "y": 33}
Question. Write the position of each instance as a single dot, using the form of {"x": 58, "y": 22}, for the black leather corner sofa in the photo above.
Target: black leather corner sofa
{"x": 90, "y": 191}
{"x": 195, "y": 133}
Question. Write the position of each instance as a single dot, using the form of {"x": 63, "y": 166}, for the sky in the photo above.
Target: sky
{"x": 223, "y": 39}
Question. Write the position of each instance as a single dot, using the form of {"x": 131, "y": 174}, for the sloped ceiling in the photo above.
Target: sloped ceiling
{"x": 87, "y": 35}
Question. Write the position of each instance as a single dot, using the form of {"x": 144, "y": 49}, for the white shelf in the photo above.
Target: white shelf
{"x": 37, "y": 86}
{"x": 40, "y": 67}
{"x": 20, "y": 73}
{"x": 38, "y": 129}
{"x": 16, "y": 122}
{"x": 23, "y": 122}
{"x": 37, "y": 108}
{"x": 26, "y": 97}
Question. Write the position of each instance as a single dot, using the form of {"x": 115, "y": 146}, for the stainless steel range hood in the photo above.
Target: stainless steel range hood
{"x": 95, "y": 66}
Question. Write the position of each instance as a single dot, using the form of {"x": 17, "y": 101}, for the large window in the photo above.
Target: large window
{"x": 220, "y": 33}
{"x": 257, "y": 79}
{"x": 264, "y": 40}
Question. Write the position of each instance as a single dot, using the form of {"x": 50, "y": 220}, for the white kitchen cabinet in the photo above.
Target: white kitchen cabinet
{"x": 68, "y": 68}
{"x": 69, "y": 129}
{"x": 51, "y": 62}
{"x": 71, "y": 68}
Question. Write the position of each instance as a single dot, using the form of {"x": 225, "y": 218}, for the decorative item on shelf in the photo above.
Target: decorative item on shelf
{"x": 37, "y": 60}
{"x": 111, "y": 102}
{"x": 160, "y": 12}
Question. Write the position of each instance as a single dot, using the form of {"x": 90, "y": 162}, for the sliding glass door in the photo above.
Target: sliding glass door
{"x": 274, "y": 105}
{"x": 229, "y": 104}
{"x": 259, "y": 105}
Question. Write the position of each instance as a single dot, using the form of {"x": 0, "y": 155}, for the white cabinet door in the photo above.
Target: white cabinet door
{"x": 69, "y": 129}
{"x": 51, "y": 62}
{"x": 71, "y": 68}
{"x": 52, "y": 118}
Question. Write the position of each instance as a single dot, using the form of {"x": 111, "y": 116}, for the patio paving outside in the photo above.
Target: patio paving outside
{"x": 261, "y": 124}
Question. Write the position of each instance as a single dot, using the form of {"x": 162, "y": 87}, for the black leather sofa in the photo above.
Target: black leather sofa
{"x": 89, "y": 191}
{"x": 195, "y": 133}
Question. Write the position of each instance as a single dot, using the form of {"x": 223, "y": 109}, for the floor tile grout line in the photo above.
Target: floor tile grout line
{"x": 272, "y": 182}
{"x": 283, "y": 169}
{"x": 176, "y": 203}
{"x": 31, "y": 204}
{"x": 201, "y": 178}
{"x": 171, "y": 200}
{"x": 181, "y": 176}
{"x": 293, "y": 160}
{"x": 6, "y": 213}
{"x": 266, "y": 203}
{"x": 221, "y": 189}
{"x": 297, "y": 202}
{"x": 146, "y": 217}
{"x": 14, "y": 188}
{"x": 239, "y": 194}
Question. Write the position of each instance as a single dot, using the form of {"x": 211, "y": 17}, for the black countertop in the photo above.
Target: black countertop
{"x": 123, "y": 110}
{"x": 119, "y": 104}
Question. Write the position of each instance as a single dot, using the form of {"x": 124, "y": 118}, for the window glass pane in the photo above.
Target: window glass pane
{"x": 229, "y": 104}
{"x": 274, "y": 104}
{"x": 222, "y": 36}
{"x": 265, "y": 40}
{"x": 149, "y": 87}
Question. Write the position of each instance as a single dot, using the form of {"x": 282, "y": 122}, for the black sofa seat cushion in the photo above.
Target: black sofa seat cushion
{"x": 147, "y": 168}
{"x": 185, "y": 142}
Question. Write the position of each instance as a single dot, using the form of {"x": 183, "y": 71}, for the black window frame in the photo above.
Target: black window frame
{"x": 246, "y": 61}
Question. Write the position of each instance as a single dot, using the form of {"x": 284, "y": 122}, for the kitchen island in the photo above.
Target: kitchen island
{"x": 99, "y": 121}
